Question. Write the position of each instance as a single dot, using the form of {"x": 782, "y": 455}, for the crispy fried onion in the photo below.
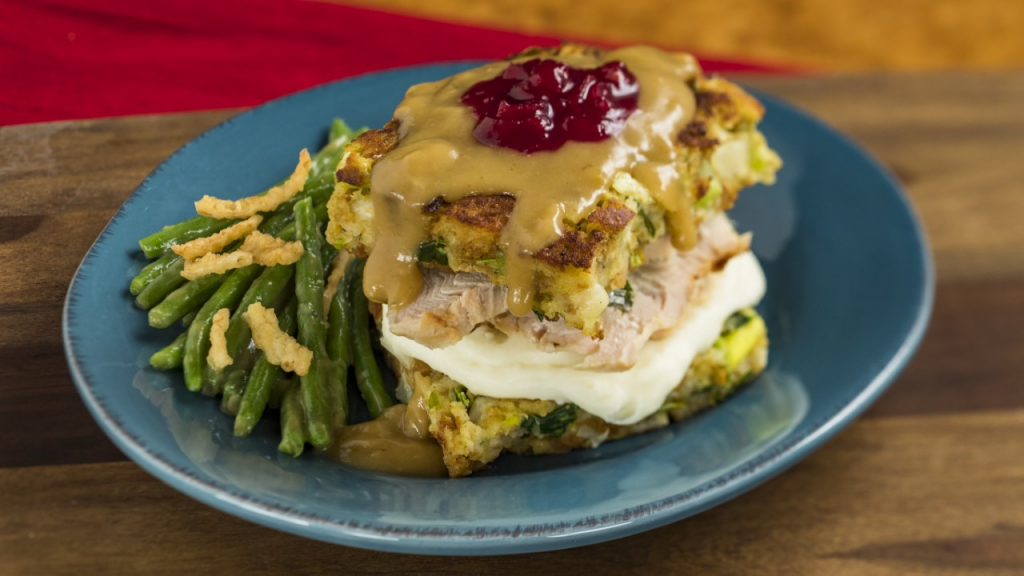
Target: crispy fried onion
{"x": 269, "y": 251}
{"x": 258, "y": 248}
{"x": 279, "y": 348}
{"x": 218, "y": 356}
{"x": 202, "y": 246}
{"x": 215, "y": 264}
{"x": 334, "y": 280}
{"x": 217, "y": 208}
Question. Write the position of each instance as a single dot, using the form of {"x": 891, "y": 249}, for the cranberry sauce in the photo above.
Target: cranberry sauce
{"x": 542, "y": 104}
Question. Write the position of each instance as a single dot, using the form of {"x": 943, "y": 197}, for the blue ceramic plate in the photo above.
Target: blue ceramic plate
{"x": 850, "y": 291}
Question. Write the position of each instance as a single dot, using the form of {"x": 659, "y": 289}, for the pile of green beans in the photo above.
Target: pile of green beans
{"x": 314, "y": 406}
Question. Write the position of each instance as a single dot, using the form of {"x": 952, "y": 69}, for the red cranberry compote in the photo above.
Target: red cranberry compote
{"x": 542, "y": 104}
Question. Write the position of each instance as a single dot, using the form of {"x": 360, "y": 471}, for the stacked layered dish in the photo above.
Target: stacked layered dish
{"x": 548, "y": 243}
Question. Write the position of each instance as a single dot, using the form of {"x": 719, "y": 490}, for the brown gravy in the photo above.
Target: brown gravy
{"x": 396, "y": 443}
{"x": 438, "y": 156}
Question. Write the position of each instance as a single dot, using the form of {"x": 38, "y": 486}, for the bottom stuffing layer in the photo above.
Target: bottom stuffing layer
{"x": 473, "y": 430}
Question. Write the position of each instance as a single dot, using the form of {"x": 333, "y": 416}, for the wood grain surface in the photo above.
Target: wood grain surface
{"x": 930, "y": 481}
{"x": 814, "y": 34}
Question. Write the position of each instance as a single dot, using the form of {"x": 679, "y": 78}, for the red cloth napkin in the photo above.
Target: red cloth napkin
{"x": 65, "y": 59}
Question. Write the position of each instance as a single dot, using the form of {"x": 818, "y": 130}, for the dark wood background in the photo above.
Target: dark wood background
{"x": 929, "y": 481}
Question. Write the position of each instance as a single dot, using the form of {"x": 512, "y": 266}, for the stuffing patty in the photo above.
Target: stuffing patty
{"x": 722, "y": 152}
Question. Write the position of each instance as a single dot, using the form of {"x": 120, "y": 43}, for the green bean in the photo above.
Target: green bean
{"x": 188, "y": 318}
{"x": 261, "y": 380}
{"x": 326, "y": 160}
{"x": 340, "y": 130}
{"x": 198, "y": 343}
{"x": 319, "y": 191}
{"x": 278, "y": 389}
{"x": 312, "y": 332}
{"x": 368, "y": 378}
{"x": 167, "y": 281}
{"x": 339, "y": 346}
{"x": 327, "y": 254}
{"x": 169, "y": 357}
{"x": 320, "y": 212}
{"x": 338, "y": 389}
{"x": 288, "y": 232}
{"x": 275, "y": 223}
{"x": 339, "y": 340}
{"x": 151, "y": 271}
{"x": 232, "y": 387}
{"x": 156, "y": 243}
{"x": 293, "y": 428}
{"x": 231, "y": 391}
{"x": 184, "y": 300}
{"x": 337, "y": 130}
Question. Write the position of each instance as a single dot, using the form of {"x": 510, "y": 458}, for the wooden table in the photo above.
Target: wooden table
{"x": 931, "y": 480}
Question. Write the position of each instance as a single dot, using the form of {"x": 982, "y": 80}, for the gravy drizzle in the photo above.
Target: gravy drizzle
{"x": 438, "y": 156}
{"x": 397, "y": 442}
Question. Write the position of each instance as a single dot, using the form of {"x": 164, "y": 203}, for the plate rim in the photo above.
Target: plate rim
{"x": 524, "y": 538}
